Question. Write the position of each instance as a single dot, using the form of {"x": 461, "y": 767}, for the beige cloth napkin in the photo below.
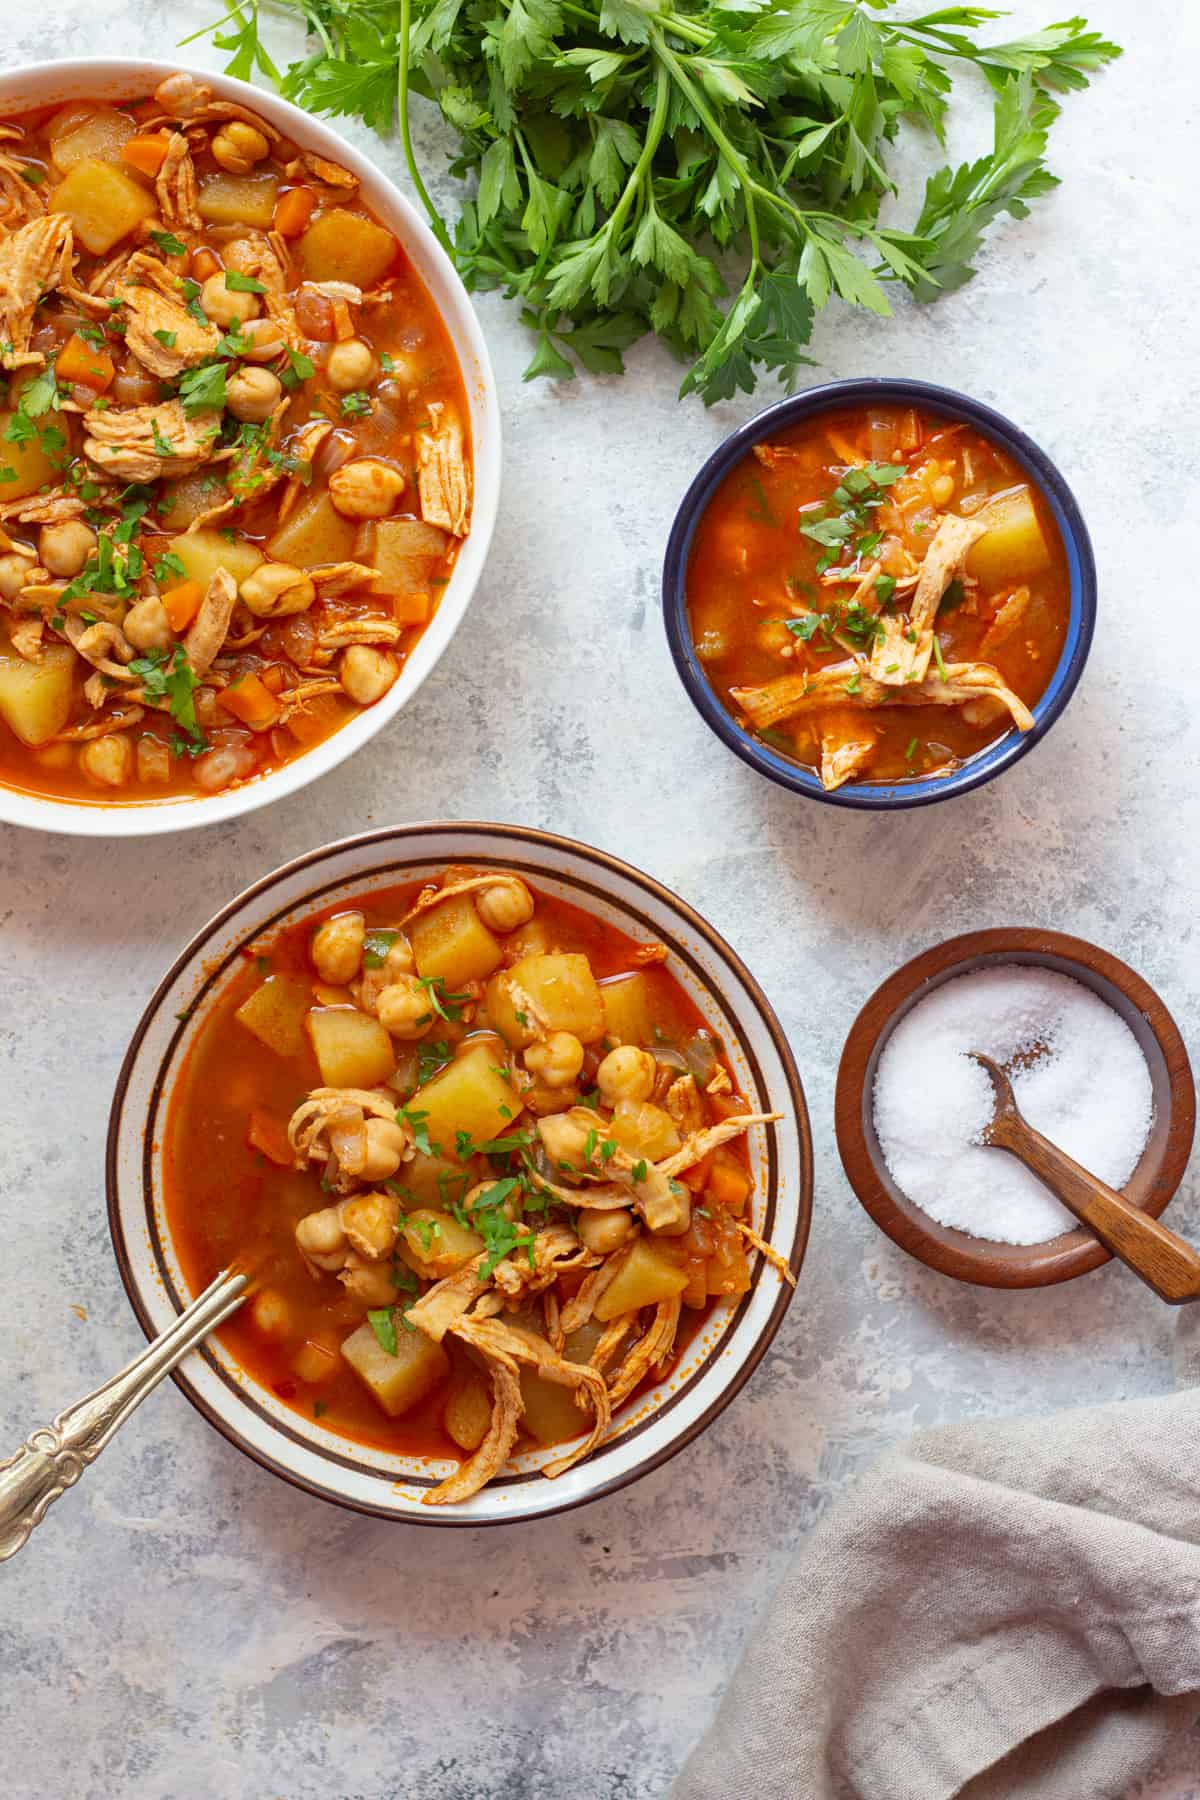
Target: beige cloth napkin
{"x": 1001, "y": 1610}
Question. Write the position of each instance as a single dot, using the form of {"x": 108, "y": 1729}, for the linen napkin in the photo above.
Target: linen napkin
{"x": 1001, "y": 1610}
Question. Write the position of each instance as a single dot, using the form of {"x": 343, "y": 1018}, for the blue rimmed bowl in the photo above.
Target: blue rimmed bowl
{"x": 878, "y": 796}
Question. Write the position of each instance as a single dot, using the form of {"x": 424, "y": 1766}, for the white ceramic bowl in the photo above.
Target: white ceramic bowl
{"x": 47, "y": 83}
{"x": 720, "y": 1357}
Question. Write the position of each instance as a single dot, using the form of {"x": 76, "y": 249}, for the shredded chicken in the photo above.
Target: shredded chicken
{"x": 582, "y": 1305}
{"x": 33, "y": 261}
{"x": 26, "y": 635}
{"x": 772, "y": 1255}
{"x": 1008, "y": 619}
{"x": 654, "y": 1346}
{"x": 175, "y": 187}
{"x": 141, "y": 443}
{"x": 848, "y": 682}
{"x": 442, "y": 1305}
{"x": 443, "y": 477}
{"x": 504, "y": 1342}
{"x": 163, "y": 335}
{"x": 45, "y": 509}
{"x": 20, "y": 199}
{"x": 208, "y": 630}
{"x": 496, "y": 1447}
{"x": 902, "y": 653}
{"x": 847, "y": 745}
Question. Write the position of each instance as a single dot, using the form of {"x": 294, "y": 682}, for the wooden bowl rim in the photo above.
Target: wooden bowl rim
{"x": 941, "y": 1247}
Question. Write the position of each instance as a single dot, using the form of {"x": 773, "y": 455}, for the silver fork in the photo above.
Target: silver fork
{"x": 54, "y": 1457}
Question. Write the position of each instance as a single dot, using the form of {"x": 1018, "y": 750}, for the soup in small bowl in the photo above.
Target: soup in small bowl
{"x": 879, "y": 593}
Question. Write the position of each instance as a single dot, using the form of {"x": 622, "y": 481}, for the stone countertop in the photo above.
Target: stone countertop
{"x": 185, "y": 1625}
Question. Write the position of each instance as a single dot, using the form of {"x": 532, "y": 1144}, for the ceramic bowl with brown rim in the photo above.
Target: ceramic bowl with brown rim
{"x": 734, "y": 1334}
{"x": 979, "y": 1260}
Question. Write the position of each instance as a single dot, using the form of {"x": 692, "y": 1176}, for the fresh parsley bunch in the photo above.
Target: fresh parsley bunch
{"x": 710, "y": 170}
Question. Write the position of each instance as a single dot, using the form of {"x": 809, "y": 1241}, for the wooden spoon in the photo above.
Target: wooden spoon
{"x": 1165, "y": 1262}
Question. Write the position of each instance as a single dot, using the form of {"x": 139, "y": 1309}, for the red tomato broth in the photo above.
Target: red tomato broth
{"x": 407, "y": 333}
{"x": 227, "y": 1202}
{"x": 751, "y": 570}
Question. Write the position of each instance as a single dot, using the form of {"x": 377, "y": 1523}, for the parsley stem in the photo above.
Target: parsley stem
{"x": 748, "y": 186}
{"x": 435, "y": 217}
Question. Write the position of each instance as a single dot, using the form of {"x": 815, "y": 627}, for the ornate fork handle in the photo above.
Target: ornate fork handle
{"x": 53, "y": 1458}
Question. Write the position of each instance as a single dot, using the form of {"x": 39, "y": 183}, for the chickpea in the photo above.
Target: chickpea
{"x": 223, "y": 305}
{"x": 369, "y": 1221}
{"x": 505, "y": 907}
{"x": 366, "y": 673}
{"x": 238, "y": 146}
{"x": 404, "y": 1010}
{"x": 557, "y": 1061}
{"x": 350, "y": 366}
{"x": 108, "y": 761}
{"x": 14, "y": 573}
{"x": 275, "y": 589}
{"x": 270, "y": 1314}
{"x": 386, "y": 1144}
{"x": 337, "y": 948}
{"x": 941, "y": 488}
{"x": 65, "y": 547}
{"x": 365, "y": 488}
{"x": 146, "y": 624}
{"x": 262, "y": 339}
{"x": 217, "y": 768}
{"x": 626, "y": 1074}
{"x": 320, "y": 1238}
{"x": 253, "y": 394}
{"x": 371, "y": 1283}
{"x": 604, "y": 1229}
{"x": 565, "y": 1135}
{"x": 395, "y": 966}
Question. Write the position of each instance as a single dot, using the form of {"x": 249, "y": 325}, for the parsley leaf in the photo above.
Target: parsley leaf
{"x": 203, "y": 389}
{"x": 169, "y": 244}
{"x": 237, "y": 283}
{"x": 383, "y": 1324}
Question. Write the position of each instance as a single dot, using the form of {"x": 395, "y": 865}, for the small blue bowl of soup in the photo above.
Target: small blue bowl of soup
{"x": 879, "y": 593}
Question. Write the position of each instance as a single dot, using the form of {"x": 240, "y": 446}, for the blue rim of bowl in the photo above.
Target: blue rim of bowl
{"x": 878, "y": 796}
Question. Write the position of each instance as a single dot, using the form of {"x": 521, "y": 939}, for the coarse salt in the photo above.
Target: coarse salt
{"x": 1086, "y": 1087}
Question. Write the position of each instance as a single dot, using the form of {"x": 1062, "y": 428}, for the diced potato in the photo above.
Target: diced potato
{"x": 24, "y": 467}
{"x": 644, "y": 1130}
{"x": 341, "y": 246}
{"x": 275, "y": 1013}
{"x": 550, "y": 1410}
{"x": 470, "y": 1095}
{"x": 514, "y": 1026}
{"x": 103, "y": 203}
{"x": 238, "y": 199}
{"x": 397, "y": 1382}
{"x": 315, "y": 533}
{"x": 203, "y": 552}
{"x": 100, "y": 134}
{"x": 1014, "y": 546}
{"x": 452, "y": 942}
{"x": 435, "y": 1244}
{"x": 436, "y": 1181}
{"x": 184, "y": 499}
{"x": 35, "y": 697}
{"x": 627, "y": 1016}
{"x": 407, "y": 553}
{"x": 564, "y": 989}
{"x": 353, "y": 1049}
{"x": 468, "y": 1413}
{"x": 644, "y": 1278}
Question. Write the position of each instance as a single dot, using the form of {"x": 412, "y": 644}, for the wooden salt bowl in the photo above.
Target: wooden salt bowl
{"x": 952, "y": 1252}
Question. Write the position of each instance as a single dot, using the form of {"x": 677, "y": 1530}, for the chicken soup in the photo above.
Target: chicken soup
{"x": 234, "y": 466}
{"x": 484, "y": 1160}
{"x": 879, "y": 593}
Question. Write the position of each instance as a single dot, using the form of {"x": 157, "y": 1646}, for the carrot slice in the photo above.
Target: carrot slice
{"x": 411, "y": 608}
{"x": 182, "y": 604}
{"x": 268, "y": 1135}
{"x": 728, "y": 1183}
{"x": 202, "y": 264}
{"x": 146, "y": 154}
{"x": 251, "y": 702}
{"x": 83, "y": 365}
{"x": 293, "y": 210}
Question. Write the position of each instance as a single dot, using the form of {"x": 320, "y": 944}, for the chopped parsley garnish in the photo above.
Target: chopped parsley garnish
{"x": 170, "y": 245}
{"x": 237, "y": 283}
{"x": 356, "y": 406}
{"x": 166, "y": 339}
{"x": 162, "y": 445}
{"x": 191, "y": 301}
{"x": 33, "y": 175}
{"x": 91, "y": 334}
{"x": 169, "y": 567}
{"x": 446, "y": 1006}
{"x": 376, "y": 945}
{"x": 420, "y": 1131}
{"x": 299, "y": 368}
{"x": 203, "y": 389}
{"x": 167, "y": 674}
{"x": 383, "y": 1324}
{"x": 639, "y": 1171}
{"x": 431, "y": 1057}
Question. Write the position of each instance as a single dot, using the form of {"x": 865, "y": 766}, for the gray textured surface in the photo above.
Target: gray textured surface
{"x": 186, "y": 1626}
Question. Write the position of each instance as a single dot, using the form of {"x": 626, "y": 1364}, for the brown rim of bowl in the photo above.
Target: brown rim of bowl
{"x": 612, "y": 865}
{"x": 955, "y": 1253}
